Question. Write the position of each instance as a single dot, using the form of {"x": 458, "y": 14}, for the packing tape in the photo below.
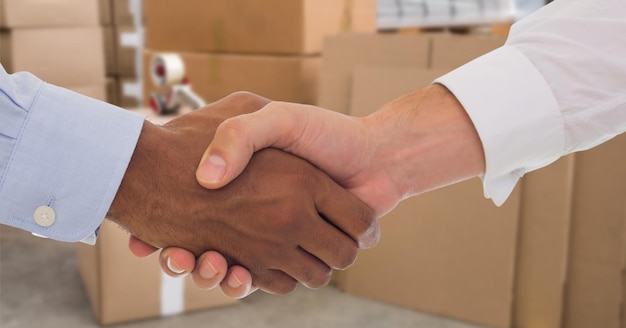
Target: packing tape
{"x": 167, "y": 69}
{"x": 172, "y": 295}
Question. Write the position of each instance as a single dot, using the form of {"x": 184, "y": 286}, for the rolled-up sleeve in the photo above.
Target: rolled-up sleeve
{"x": 557, "y": 86}
{"x": 61, "y": 152}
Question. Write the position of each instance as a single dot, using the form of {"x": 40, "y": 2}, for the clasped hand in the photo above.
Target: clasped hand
{"x": 283, "y": 220}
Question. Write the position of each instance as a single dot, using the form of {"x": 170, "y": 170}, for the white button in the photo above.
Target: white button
{"x": 45, "y": 216}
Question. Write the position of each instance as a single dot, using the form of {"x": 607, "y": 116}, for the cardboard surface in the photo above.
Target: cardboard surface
{"x": 124, "y": 288}
{"x": 121, "y": 12}
{"x": 595, "y": 295}
{"x": 455, "y": 261}
{"x": 66, "y": 57}
{"x": 124, "y": 100}
{"x": 343, "y": 53}
{"x": 45, "y": 13}
{"x": 373, "y": 87}
{"x": 125, "y": 56}
{"x": 542, "y": 247}
{"x": 442, "y": 51}
{"x": 214, "y": 76}
{"x": 106, "y": 12}
{"x": 451, "y": 50}
{"x": 248, "y": 26}
{"x": 110, "y": 55}
{"x": 112, "y": 91}
{"x": 94, "y": 91}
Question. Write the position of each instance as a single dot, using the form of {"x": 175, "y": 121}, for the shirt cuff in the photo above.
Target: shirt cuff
{"x": 515, "y": 114}
{"x": 70, "y": 158}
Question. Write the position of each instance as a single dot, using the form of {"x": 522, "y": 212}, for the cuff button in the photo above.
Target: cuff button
{"x": 45, "y": 216}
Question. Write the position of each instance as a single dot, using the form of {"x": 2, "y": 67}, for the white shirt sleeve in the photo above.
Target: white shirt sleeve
{"x": 557, "y": 86}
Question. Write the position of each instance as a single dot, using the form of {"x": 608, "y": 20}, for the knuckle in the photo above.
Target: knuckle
{"x": 348, "y": 258}
{"x": 249, "y": 97}
{"x": 233, "y": 127}
{"x": 371, "y": 236}
{"x": 242, "y": 95}
{"x": 368, "y": 230}
{"x": 289, "y": 222}
{"x": 281, "y": 286}
{"x": 319, "y": 279}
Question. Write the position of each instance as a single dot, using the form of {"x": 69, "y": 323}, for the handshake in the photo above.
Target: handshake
{"x": 285, "y": 192}
{"x": 280, "y": 222}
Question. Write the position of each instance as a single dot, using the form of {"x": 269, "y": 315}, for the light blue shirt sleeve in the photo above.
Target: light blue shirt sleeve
{"x": 63, "y": 152}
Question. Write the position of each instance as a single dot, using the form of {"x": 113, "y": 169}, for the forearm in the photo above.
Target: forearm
{"x": 425, "y": 140}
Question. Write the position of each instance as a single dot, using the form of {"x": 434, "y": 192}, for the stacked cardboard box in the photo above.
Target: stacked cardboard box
{"x": 60, "y": 42}
{"x": 119, "y": 26}
{"x": 552, "y": 256}
{"x": 267, "y": 47}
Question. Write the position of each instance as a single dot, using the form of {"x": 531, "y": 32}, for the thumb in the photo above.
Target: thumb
{"x": 225, "y": 158}
{"x": 236, "y": 140}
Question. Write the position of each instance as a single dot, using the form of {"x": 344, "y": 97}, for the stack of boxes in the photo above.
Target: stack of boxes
{"x": 270, "y": 47}
{"x": 60, "y": 42}
{"x": 554, "y": 255}
{"x": 122, "y": 45}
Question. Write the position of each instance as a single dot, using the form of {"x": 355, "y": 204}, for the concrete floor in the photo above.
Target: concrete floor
{"x": 40, "y": 287}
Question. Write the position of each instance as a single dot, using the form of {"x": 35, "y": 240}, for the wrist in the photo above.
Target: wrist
{"x": 427, "y": 141}
{"x": 133, "y": 183}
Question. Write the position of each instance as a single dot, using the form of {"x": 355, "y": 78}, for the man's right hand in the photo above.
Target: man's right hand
{"x": 282, "y": 219}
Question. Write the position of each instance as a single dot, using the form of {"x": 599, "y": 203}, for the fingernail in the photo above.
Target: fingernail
{"x": 212, "y": 169}
{"x": 208, "y": 272}
{"x": 234, "y": 282}
{"x": 174, "y": 267}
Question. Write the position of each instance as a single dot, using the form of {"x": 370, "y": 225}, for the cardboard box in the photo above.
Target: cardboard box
{"x": 45, "y": 13}
{"x": 214, "y": 76}
{"x": 121, "y": 12}
{"x": 124, "y": 288}
{"x": 94, "y": 91}
{"x": 126, "y": 56}
{"x": 595, "y": 293}
{"x": 452, "y": 50}
{"x": 291, "y": 27}
{"x": 456, "y": 261}
{"x": 373, "y": 87}
{"x": 343, "y": 53}
{"x": 112, "y": 91}
{"x": 106, "y": 12}
{"x": 541, "y": 250}
{"x": 110, "y": 54}
{"x": 62, "y": 56}
{"x": 543, "y": 245}
{"x": 125, "y": 100}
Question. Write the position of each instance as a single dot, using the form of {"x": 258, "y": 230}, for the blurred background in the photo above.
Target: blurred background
{"x": 552, "y": 256}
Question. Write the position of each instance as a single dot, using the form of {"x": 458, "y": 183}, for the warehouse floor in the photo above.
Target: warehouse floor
{"x": 40, "y": 287}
